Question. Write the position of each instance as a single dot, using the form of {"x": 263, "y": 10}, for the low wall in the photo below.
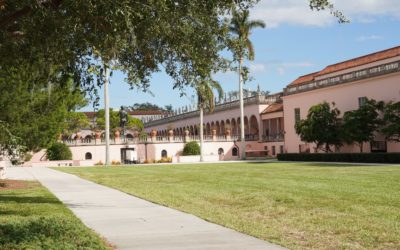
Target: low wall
{"x": 195, "y": 158}
{"x": 3, "y": 166}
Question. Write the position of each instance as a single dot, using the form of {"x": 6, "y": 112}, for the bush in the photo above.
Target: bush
{"x": 343, "y": 157}
{"x": 59, "y": 151}
{"x": 191, "y": 148}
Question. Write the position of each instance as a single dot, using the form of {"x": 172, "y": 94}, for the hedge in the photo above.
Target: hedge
{"x": 343, "y": 157}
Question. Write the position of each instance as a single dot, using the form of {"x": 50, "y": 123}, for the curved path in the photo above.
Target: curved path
{"x": 128, "y": 222}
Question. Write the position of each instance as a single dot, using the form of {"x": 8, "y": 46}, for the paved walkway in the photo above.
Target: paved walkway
{"x": 132, "y": 223}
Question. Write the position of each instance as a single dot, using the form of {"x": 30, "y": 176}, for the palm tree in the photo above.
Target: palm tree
{"x": 206, "y": 99}
{"x": 242, "y": 26}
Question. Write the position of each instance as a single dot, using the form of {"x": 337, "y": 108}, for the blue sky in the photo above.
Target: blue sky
{"x": 296, "y": 41}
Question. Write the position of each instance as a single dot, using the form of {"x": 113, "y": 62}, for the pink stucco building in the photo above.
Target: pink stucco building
{"x": 269, "y": 119}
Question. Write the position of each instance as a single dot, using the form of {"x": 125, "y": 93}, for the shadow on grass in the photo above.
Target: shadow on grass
{"x": 27, "y": 199}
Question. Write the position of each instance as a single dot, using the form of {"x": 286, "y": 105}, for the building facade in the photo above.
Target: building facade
{"x": 269, "y": 119}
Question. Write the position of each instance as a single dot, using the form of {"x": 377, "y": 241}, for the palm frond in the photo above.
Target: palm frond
{"x": 250, "y": 48}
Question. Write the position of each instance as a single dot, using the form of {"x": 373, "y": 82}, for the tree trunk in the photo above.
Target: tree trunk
{"x": 201, "y": 133}
{"x": 241, "y": 103}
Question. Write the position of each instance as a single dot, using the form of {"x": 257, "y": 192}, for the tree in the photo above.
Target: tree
{"x": 360, "y": 125}
{"x": 74, "y": 122}
{"x": 391, "y": 121}
{"x": 114, "y": 119}
{"x": 36, "y": 113}
{"x": 321, "y": 127}
{"x": 132, "y": 123}
{"x": 206, "y": 100}
{"x": 135, "y": 124}
{"x": 242, "y": 47}
{"x": 145, "y": 106}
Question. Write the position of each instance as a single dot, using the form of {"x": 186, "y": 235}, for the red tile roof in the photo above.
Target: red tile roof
{"x": 370, "y": 58}
{"x": 275, "y": 107}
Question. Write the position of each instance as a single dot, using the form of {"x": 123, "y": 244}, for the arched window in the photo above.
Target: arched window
{"x": 164, "y": 154}
{"x": 220, "y": 151}
{"x": 235, "y": 151}
{"x": 88, "y": 156}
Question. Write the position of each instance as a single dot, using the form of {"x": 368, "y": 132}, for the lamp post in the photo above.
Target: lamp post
{"x": 107, "y": 114}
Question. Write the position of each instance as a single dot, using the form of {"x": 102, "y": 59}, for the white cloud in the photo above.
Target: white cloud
{"x": 282, "y": 67}
{"x": 369, "y": 38}
{"x": 257, "y": 68}
{"x": 295, "y": 12}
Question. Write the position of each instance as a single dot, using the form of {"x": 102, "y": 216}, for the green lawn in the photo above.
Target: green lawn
{"x": 295, "y": 205}
{"x": 32, "y": 218}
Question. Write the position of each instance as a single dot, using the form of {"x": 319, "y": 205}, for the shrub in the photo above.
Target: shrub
{"x": 99, "y": 163}
{"x": 191, "y": 148}
{"x": 343, "y": 157}
{"x": 165, "y": 160}
{"x": 59, "y": 151}
{"x": 115, "y": 163}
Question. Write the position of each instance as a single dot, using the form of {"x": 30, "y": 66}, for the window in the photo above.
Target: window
{"x": 266, "y": 148}
{"x": 378, "y": 146}
{"x": 164, "y": 154}
{"x": 235, "y": 151}
{"x": 281, "y": 149}
{"x": 273, "y": 150}
{"x": 362, "y": 101}
{"x": 220, "y": 151}
{"x": 296, "y": 115}
{"x": 88, "y": 156}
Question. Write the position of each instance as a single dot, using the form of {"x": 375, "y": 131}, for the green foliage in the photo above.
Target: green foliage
{"x": 321, "y": 127}
{"x": 391, "y": 120}
{"x": 191, "y": 148}
{"x": 360, "y": 125}
{"x": 134, "y": 123}
{"x": 205, "y": 94}
{"x": 35, "y": 112}
{"x": 59, "y": 151}
{"x": 114, "y": 119}
{"x": 146, "y": 106}
{"x": 74, "y": 122}
{"x": 241, "y": 26}
{"x": 343, "y": 157}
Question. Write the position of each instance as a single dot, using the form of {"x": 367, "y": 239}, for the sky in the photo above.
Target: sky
{"x": 296, "y": 41}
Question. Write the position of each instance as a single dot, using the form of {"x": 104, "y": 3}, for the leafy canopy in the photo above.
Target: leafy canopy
{"x": 391, "y": 120}
{"x": 322, "y": 127}
{"x": 360, "y": 125}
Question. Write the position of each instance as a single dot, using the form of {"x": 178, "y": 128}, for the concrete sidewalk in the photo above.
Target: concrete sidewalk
{"x": 132, "y": 223}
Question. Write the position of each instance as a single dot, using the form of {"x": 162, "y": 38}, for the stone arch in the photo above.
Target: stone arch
{"x": 208, "y": 129}
{"x": 233, "y": 127}
{"x": 235, "y": 151}
{"x": 246, "y": 126}
{"x": 164, "y": 153}
{"x": 191, "y": 130}
{"x": 238, "y": 126}
{"x": 253, "y": 125}
{"x": 88, "y": 156}
{"x": 222, "y": 129}
{"x": 217, "y": 127}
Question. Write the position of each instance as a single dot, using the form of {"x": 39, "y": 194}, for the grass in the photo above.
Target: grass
{"x": 32, "y": 218}
{"x": 299, "y": 206}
